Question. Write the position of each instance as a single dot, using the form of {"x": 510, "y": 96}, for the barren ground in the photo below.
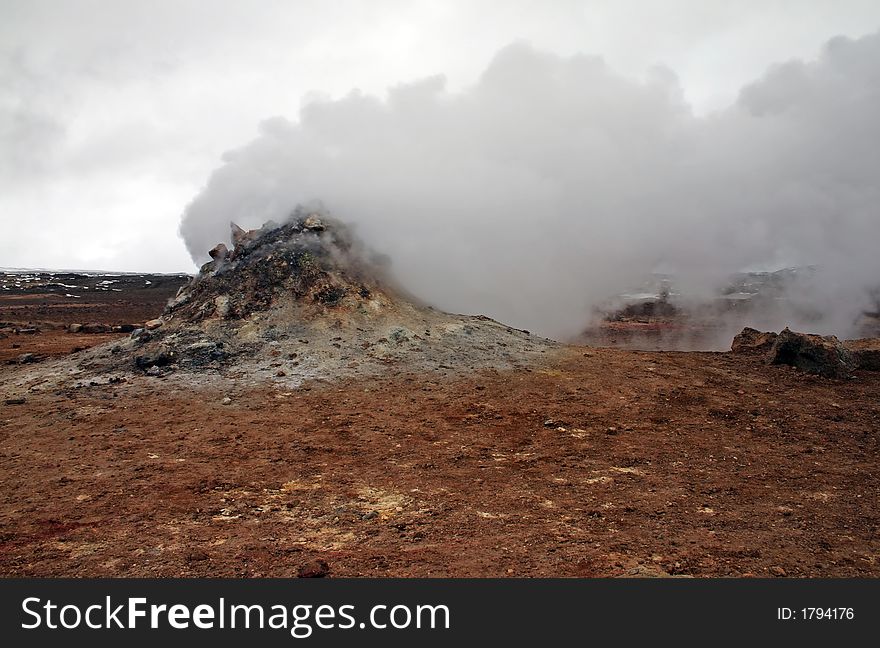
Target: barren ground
{"x": 590, "y": 462}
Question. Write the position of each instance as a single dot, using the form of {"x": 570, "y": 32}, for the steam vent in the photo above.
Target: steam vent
{"x": 304, "y": 300}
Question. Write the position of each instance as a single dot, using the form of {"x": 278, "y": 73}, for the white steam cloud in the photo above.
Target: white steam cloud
{"x": 554, "y": 183}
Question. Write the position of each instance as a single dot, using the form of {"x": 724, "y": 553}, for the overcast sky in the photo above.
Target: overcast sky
{"x": 113, "y": 114}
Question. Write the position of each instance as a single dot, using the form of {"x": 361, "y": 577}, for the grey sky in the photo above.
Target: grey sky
{"x": 114, "y": 114}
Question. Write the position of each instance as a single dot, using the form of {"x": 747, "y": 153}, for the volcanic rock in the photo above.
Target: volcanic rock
{"x": 303, "y": 263}
{"x": 219, "y": 252}
{"x": 242, "y": 239}
{"x": 95, "y": 327}
{"x": 865, "y": 352}
{"x": 314, "y": 224}
{"x": 304, "y": 301}
{"x": 237, "y": 233}
{"x": 221, "y": 306}
{"x": 140, "y": 335}
{"x": 753, "y": 341}
{"x": 157, "y": 358}
{"x": 825, "y": 356}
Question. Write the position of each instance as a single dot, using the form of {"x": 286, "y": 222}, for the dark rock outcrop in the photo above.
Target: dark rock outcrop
{"x": 219, "y": 252}
{"x": 825, "y": 356}
{"x": 304, "y": 300}
{"x": 95, "y": 327}
{"x": 310, "y": 260}
{"x": 865, "y": 352}
{"x": 753, "y": 341}
{"x": 157, "y": 358}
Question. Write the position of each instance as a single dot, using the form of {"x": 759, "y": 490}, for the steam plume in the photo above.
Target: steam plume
{"x": 554, "y": 183}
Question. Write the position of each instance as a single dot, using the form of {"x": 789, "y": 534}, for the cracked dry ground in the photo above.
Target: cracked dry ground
{"x": 599, "y": 463}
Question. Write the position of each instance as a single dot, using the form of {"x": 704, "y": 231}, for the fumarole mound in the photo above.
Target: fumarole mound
{"x": 305, "y": 300}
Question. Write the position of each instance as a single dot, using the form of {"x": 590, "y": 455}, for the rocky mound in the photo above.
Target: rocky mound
{"x": 304, "y": 300}
{"x": 822, "y": 355}
{"x": 316, "y": 265}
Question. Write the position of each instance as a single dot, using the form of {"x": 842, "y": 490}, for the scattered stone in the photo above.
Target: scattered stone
{"x": 399, "y": 335}
{"x": 331, "y": 295}
{"x": 140, "y": 335}
{"x": 19, "y": 400}
{"x": 226, "y": 401}
{"x": 823, "y": 356}
{"x": 75, "y": 328}
{"x": 206, "y": 268}
{"x": 865, "y": 352}
{"x": 26, "y": 358}
{"x": 95, "y": 327}
{"x": 238, "y": 235}
{"x": 221, "y": 306}
{"x": 123, "y": 328}
{"x": 202, "y": 353}
{"x": 314, "y": 569}
{"x": 280, "y": 373}
{"x": 154, "y": 371}
{"x": 313, "y": 224}
{"x": 158, "y": 358}
{"x": 153, "y": 324}
{"x": 753, "y": 341}
{"x": 219, "y": 252}
{"x": 776, "y": 570}
{"x": 28, "y": 331}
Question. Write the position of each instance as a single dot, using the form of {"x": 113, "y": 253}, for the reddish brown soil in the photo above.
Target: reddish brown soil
{"x": 49, "y": 343}
{"x": 52, "y": 309}
{"x": 50, "y": 313}
{"x": 603, "y": 462}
